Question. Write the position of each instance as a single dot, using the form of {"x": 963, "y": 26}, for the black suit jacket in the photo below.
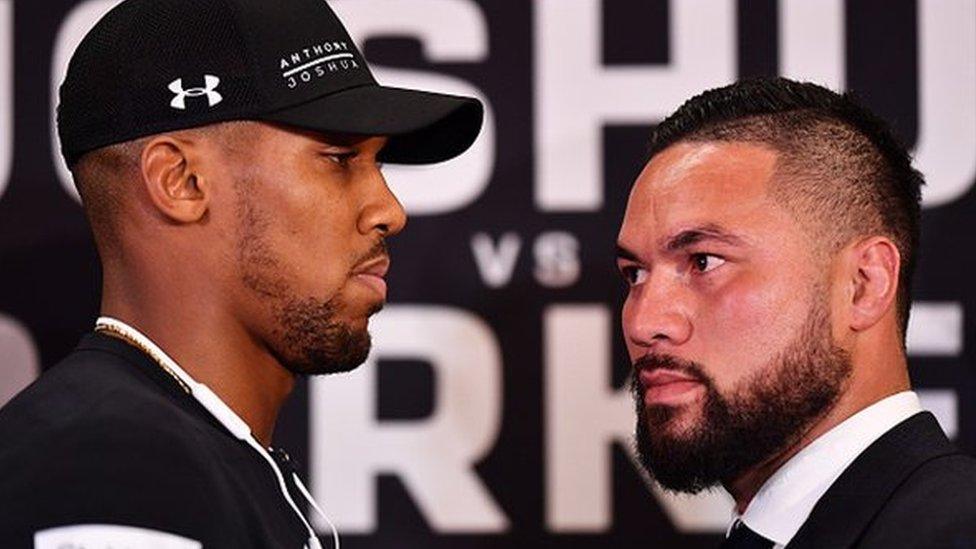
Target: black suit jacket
{"x": 911, "y": 488}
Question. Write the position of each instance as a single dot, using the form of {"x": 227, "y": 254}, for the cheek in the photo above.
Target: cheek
{"x": 745, "y": 324}
{"x": 319, "y": 257}
{"x": 312, "y": 243}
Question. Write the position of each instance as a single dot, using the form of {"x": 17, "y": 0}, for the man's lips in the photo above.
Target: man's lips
{"x": 372, "y": 274}
{"x": 663, "y": 386}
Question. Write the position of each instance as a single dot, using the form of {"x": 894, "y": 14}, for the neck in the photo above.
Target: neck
{"x": 214, "y": 349}
{"x": 866, "y": 386}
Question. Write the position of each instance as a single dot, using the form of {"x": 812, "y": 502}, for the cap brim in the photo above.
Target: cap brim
{"x": 423, "y": 127}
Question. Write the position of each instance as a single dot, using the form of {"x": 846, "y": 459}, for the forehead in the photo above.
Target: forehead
{"x": 692, "y": 185}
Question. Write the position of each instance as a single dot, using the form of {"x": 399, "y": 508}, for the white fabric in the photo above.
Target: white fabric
{"x": 786, "y": 499}
{"x": 110, "y": 535}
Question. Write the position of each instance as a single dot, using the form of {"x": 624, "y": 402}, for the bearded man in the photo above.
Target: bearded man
{"x": 227, "y": 153}
{"x": 768, "y": 246}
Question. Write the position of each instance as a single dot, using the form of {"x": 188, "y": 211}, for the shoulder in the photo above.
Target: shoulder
{"x": 910, "y": 487}
{"x": 90, "y": 400}
{"x": 89, "y": 388}
{"x": 93, "y": 442}
{"x": 944, "y": 482}
{"x": 934, "y": 506}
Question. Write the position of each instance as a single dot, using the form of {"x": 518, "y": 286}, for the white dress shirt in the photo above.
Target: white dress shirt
{"x": 786, "y": 499}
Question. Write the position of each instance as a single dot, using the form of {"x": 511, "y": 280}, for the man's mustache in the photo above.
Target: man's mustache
{"x": 662, "y": 361}
{"x": 377, "y": 251}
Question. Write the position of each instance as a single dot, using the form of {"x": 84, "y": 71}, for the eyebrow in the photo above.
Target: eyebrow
{"x": 695, "y": 235}
{"x": 624, "y": 253}
{"x": 688, "y": 238}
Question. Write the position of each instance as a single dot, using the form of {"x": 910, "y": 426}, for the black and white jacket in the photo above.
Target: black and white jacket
{"x": 106, "y": 445}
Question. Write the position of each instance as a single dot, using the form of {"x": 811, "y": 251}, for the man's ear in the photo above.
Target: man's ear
{"x": 873, "y": 267}
{"x": 169, "y": 172}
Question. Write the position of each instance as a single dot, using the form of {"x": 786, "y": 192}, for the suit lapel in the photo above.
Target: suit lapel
{"x": 847, "y": 508}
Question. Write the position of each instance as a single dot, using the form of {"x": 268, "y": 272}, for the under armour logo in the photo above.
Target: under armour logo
{"x": 210, "y": 90}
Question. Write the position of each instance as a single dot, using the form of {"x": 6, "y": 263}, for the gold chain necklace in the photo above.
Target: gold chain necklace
{"x": 112, "y": 331}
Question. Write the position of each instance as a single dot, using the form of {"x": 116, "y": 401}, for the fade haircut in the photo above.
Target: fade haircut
{"x": 105, "y": 177}
{"x": 101, "y": 177}
{"x": 840, "y": 170}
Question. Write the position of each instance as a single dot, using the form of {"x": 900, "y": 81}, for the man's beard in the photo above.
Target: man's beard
{"x": 764, "y": 415}
{"x": 315, "y": 342}
{"x": 308, "y": 338}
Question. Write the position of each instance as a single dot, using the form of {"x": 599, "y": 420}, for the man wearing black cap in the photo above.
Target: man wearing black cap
{"x": 226, "y": 152}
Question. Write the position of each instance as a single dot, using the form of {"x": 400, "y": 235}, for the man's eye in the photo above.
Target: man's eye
{"x": 341, "y": 158}
{"x": 704, "y": 263}
{"x": 633, "y": 275}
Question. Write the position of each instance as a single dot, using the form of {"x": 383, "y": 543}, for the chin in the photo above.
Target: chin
{"x": 332, "y": 358}
{"x": 675, "y": 411}
{"x": 318, "y": 341}
{"x": 679, "y": 430}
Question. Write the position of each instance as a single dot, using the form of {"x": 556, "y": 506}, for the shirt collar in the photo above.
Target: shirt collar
{"x": 786, "y": 499}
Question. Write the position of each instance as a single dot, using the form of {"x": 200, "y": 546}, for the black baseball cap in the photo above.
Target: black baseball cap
{"x": 152, "y": 66}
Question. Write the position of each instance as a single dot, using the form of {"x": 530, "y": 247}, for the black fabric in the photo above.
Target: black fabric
{"x": 742, "y": 537}
{"x": 288, "y": 60}
{"x": 426, "y": 127}
{"x": 910, "y": 489}
{"x": 107, "y": 437}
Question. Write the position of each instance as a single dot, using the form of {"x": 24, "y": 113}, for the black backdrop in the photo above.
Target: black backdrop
{"x": 491, "y": 411}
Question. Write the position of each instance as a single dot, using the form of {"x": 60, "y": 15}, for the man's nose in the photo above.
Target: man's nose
{"x": 656, "y": 314}
{"x": 382, "y": 211}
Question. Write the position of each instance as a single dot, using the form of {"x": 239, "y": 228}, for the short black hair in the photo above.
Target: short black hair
{"x": 106, "y": 177}
{"x": 848, "y": 174}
